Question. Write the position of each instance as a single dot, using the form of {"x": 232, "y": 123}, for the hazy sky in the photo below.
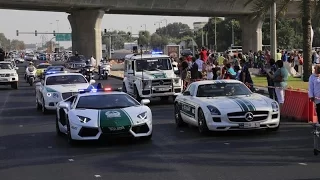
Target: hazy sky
{"x": 29, "y": 21}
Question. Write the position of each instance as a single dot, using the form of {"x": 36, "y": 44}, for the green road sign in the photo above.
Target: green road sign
{"x": 63, "y": 37}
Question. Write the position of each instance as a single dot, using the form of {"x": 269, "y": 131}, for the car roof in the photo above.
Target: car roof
{"x": 100, "y": 93}
{"x": 63, "y": 74}
{"x": 5, "y": 62}
{"x": 145, "y": 56}
{"x": 224, "y": 81}
{"x": 44, "y": 64}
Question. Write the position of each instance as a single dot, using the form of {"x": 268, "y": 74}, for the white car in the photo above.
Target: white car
{"x": 8, "y": 74}
{"x": 18, "y": 60}
{"x": 223, "y": 105}
{"x": 58, "y": 87}
{"x": 93, "y": 115}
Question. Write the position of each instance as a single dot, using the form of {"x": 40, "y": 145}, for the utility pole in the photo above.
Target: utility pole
{"x": 232, "y": 24}
{"x": 215, "y": 34}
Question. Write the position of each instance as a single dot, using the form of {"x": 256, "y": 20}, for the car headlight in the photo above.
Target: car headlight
{"x": 84, "y": 119}
{"x": 13, "y": 74}
{"x": 142, "y": 115}
{"x": 213, "y": 110}
{"x": 146, "y": 83}
{"x": 53, "y": 95}
{"x": 275, "y": 106}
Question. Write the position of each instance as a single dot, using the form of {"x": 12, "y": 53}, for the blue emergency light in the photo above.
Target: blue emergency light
{"x": 94, "y": 90}
{"x": 156, "y": 52}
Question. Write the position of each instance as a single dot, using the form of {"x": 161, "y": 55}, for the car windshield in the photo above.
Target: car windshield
{"x": 55, "y": 68}
{"x": 65, "y": 79}
{"x": 222, "y": 89}
{"x": 5, "y": 66}
{"x": 43, "y": 66}
{"x": 106, "y": 101}
{"x": 153, "y": 64}
{"x": 77, "y": 58}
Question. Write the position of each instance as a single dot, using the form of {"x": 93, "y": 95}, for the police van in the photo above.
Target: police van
{"x": 150, "y": 75}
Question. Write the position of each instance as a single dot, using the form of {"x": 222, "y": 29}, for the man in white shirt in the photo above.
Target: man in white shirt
{"x": 199, "y": 62}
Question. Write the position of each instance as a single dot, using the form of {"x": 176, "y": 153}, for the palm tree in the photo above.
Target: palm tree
{"x": 261, "y": 8}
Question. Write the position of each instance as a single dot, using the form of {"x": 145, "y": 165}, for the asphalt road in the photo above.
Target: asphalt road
{"x": 30, "y": 149}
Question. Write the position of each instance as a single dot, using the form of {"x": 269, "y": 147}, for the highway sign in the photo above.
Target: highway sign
{"x": 63, "y": 37}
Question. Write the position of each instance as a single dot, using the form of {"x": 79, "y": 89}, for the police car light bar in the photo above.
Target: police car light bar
{"x": 156, "y": 52}
{"x": 108, "y": 89}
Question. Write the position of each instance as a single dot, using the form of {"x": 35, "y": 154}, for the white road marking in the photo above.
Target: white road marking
{"x": 226, "y": 143}
{"x": 71, "y": 160}
{"x": 303, "y": 164}
{"x": 21, "y": 126}
{"x": 181, "y": 131}
{"x": 97, "y": 176}
{"x": 49, "y": 147}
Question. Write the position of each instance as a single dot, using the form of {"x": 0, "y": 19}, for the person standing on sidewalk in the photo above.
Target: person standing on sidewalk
{"x": 314, "y": 89}
{"x": 271, "y": 71}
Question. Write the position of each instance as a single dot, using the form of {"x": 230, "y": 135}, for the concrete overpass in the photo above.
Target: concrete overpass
{"x": 86, "y": 15}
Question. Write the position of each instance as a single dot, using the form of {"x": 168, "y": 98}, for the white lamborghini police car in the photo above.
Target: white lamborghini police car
{"x": 223, "y": 105}
{"x": 93, "y": 114}
{"x": 57, "y": 87}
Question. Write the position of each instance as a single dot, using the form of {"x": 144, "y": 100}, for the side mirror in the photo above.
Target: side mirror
{"x": 63, "y": 105}
{"x": 16, "y": 68}
{"x": 187, "y": 93}
{"x": 177, "y": 72}
{"x": 145, "y": 101}
{"x": 38, "y": 84}
{"x": 92, "y": 81}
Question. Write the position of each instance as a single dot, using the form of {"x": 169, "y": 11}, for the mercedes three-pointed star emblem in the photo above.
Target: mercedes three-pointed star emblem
{"x": 248, "y": 116}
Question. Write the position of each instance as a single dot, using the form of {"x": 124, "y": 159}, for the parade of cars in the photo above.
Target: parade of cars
{"x": 95, "y": 113}
{"x": 8, "y": 74}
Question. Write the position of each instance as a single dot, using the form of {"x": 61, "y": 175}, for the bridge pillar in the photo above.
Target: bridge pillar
{"x": 251, "y": 34}
{"x": 86, "y": 32}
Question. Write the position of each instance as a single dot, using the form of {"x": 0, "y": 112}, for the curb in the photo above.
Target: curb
{"x": 116, "y": 77}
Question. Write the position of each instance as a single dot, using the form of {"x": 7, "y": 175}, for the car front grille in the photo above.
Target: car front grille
{"x": 4, "y": 75}
{"x": 162, "y": 82}
{"x": 241, "y": 116}
{"x": 68, "y": 94}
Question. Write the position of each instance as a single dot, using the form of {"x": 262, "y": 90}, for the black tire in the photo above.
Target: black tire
{"x": 177, "y": 116}
{"x": 69, "y": 138}
{"x": 124, "y": 89}
{"x": 31, "y": 81}
{"x": 202, "y": 124}
{"x": 14, "y": 85}
{"x": 315, "y": 152}
{"x": 136, "y": 94}
{"x": 17, "y": 62}
{"x": 106, "y": 77}
{"x": 43, "y": 107}
{"x": 59, "y": 133}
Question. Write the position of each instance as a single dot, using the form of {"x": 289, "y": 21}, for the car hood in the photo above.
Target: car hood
{"x": 166, "y": 74}
{"x": 7, "y": 71}
{"x": 113, "y": 117}
{"x": 67, "y": 87}
{"x": 249, "y": 103}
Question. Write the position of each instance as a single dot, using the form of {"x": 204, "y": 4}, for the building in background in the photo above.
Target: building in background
{"x": 31, "y": 47}
{"x": 198, "y": 25}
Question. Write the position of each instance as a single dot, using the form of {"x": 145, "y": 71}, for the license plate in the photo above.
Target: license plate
{"x": 162, "y": 89}
{"x": 249, "y": 125}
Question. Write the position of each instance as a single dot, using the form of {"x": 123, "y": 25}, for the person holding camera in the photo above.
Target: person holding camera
{"x": 314, "y": 89}
{"x": 272, "y": 70}
{"x": 280, "y": 78}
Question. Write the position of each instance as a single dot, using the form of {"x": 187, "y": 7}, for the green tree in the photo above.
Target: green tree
{"x": 261, "y": 8}
{"x": 176, "y": 30}
{"x": 17, "y": 45}
{"x": 144, "y": 38}
{"x": 118, "y": 38}
{"x": 157, "y": 41}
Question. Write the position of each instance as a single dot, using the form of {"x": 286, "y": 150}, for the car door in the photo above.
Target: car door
{"x": 41, "y": 91}
{"x": 130, "y": 77}
{"x": 187, "y": 106}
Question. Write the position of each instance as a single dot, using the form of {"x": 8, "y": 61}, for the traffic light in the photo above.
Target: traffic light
{"x": 105, "y": 31}
{"x": 129, "y": 33}
{"x": 17, "y": 32}
{"x": 54, "y": 33}
{"x": 195, "y": 33}
{"x": 36, "y": 33}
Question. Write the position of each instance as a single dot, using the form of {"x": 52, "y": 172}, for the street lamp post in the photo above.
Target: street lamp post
{"x": 215, "y": 34}
{"x": 159, "y": 22}
{"x": 165, "y": 20}
{"x": 145, "y": 30}
{"x": 130, "y": 28}
{"x": 58, "y": 32}
{"x": 232, "y": 29}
